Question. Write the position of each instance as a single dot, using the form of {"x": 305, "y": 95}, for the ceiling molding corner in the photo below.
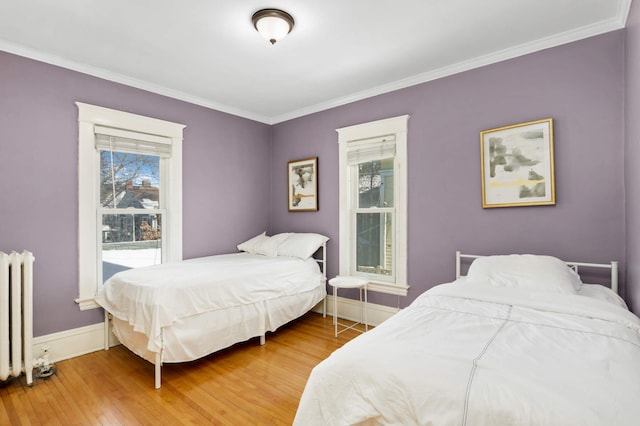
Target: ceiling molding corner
{"x": 489, "y": 59}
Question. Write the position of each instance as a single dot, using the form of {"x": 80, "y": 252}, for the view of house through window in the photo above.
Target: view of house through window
{"x": 130, "y": 211}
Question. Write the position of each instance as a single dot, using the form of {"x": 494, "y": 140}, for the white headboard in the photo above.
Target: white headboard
{"x": 613, "y": 266}
{"x": 321, "y": 257}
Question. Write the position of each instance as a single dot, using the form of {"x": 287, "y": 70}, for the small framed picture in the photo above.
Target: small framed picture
{"x": 517, "y": 165}
{"x": 303, "y": 185}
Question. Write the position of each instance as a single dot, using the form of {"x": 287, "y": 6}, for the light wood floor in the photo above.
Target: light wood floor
{"x": 245, "y": 384}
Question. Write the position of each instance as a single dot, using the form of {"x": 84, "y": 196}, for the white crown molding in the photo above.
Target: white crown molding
{"x": 495, "y": 57}
{"x": 624, "y": 6}
{"x": 613, "y": 24}
{"x": 126, "y": 80}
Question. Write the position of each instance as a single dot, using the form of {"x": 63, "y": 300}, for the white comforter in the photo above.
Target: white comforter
{"x": 154, "y": 297}
{"x": 470, "y": 354}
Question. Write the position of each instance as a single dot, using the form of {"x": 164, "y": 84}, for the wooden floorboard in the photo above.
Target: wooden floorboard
{"x": 245, "y": 384}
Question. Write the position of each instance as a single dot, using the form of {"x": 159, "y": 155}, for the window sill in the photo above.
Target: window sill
{"x": 86, "y": 304}
{"x": 399, "y": 290}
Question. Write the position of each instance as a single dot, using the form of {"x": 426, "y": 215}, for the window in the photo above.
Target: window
{"x": 373, "y": 203}
{"x": 130, "y": 178}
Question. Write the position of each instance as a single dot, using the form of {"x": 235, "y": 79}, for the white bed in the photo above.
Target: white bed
{"x": 183, "y": 311}
{"x": 501, "y": 346}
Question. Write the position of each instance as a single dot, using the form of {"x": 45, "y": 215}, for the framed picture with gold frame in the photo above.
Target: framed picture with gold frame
{"x": 303, "y": 185}
{"x": 517, "y": 165}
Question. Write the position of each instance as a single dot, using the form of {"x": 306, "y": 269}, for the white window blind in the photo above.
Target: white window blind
{"x": 365, "y": 150}
{"x": 112, "y": 139}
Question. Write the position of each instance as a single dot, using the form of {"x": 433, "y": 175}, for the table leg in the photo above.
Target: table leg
{"x": 366, "y": 319}
{"x": 335, "y": 311}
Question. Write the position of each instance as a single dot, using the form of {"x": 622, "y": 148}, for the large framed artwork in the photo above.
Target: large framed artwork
{"x": 303, "y": 185}
{"x": 517, "y": 165}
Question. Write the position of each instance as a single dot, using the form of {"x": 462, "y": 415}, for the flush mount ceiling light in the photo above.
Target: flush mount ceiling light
{"x": 273, "y": 24}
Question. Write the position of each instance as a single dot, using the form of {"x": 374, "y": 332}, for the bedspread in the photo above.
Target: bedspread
{"x": 471, "y": 354}
{"x": 154, "y": 297}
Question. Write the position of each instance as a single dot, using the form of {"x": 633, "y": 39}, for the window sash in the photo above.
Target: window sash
{"x": 127, "y": 212}
{"x": 118, "y": 177}
{"x": 380, "y": 277}
{"x": 385, "y": 178}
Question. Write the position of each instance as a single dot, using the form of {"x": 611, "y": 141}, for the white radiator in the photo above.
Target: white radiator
{"x": 16, "y": 315}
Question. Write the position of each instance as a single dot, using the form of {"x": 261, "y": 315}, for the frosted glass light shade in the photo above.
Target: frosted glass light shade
{"x": 273, "y": 24}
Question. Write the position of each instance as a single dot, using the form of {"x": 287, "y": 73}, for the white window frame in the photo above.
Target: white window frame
{"x": 396, "y": 126}
{"x": 90, "y": 116}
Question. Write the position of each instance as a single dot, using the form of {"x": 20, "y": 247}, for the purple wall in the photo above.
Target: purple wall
{"x": 223, "y": 175}
{"x": 632, "y": 156}
{"x": 579, "y": 85}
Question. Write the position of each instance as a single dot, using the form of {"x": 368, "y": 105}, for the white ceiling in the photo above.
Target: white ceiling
{"x": 208, "y": 53}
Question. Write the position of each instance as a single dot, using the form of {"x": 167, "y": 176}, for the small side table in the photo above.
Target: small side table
{"x": 349, "y": 282}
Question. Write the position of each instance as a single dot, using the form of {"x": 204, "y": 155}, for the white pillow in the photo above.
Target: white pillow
{"x": 527, "y": 271}
{"x": 269, "y": 246}
{"x": 301, "y": 245}
{"x": 601, "y": 292}
{"x": 250, "y": 245}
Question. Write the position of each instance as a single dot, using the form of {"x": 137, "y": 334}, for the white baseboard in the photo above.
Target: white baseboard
{"x": 80, "y": 341}
{"x": 351, "y": 310}
{"x": 71, "y": 343}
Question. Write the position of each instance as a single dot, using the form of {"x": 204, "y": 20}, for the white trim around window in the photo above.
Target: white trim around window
{"x": 375, "y": 133}
{"x": 89, "y": 117}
